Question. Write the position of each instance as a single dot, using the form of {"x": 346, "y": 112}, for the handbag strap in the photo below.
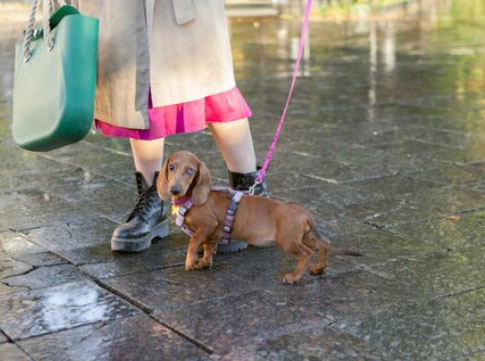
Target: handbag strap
{"x": 47, "y": 10}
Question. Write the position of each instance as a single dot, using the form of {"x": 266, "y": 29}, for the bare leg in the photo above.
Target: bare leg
{"x": 236, "y": 144}
{"x": 148, "y": 156}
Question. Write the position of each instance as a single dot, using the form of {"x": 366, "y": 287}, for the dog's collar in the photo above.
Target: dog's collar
{"x": 184, "y": 208}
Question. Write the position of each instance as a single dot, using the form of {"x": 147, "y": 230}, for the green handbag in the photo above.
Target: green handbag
{"x": 55, "y": 79}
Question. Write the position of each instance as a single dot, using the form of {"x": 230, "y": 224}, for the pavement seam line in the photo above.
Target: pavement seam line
{"x": 469, "y": 353}
{"x": 11, "y": 341}
{"x": 148, "y": 312}
{"x": 139, "y": 306}
{"x": 457, "y": 293}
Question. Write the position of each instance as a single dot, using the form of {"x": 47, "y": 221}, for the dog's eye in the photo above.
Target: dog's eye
{"x": 171, "y": 167}
{"x": 190, "y": 171}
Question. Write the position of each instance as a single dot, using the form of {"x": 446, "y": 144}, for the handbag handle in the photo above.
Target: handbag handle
{"x": 47, "y": 10}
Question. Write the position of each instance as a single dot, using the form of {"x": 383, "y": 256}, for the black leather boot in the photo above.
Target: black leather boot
{"x": 242, "y": 182}
{"x": 144, "y": 223}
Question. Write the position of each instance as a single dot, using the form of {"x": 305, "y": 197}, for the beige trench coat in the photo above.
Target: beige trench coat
{"x": 179, "y": 48}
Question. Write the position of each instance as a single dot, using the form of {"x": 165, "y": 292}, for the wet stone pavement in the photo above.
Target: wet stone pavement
{"x": 385, "y": 143}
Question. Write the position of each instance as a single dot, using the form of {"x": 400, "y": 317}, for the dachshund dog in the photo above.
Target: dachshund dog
{"x": 259, "y": 221}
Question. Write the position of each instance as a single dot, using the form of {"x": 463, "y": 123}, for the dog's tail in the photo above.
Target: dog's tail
{"x": 342, "y": 252}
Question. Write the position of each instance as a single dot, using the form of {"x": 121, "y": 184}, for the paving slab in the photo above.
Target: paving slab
{"x": 101, "y": 195}
{"x": 45, "y": 276}
{"x": 14, "y": 244}
{"x": 478, "y": 355}
{"x": 57, "y": 308}
{"x": 321, "y": 343}
{"x": 175, "y": 288}
{"x": 162, "y": 254}
{"x": 41, "y": 259}
{"x": 42, "y": 179}
{"x": 88, "y": 241}
{"x": 11, "y": 267}
{"x": 451, "y": 199}
{"x": 31, "y": 163}
{"x": 441, "y": 329}
{"x": 338, "y": 225}
{"x": 11, "y": 352}
{"x": 266, "y": 269}
{"x": 71, "y": 235}
{"x": 120, "y": 145}
{"x": 377, "y": 246}
{"x": 239, "y": 319}
{"x": 399, "y": 186}
{"x": 340, "y": 172}
{"x": 5, "y": 289}
{"x": 157, "y": 258}
{"x": 131, "y": 338}
{"x": 449, "y": 102}
{"x": 35, "y": 208}
{"x": 434, "y": 274}
{"x": 452, "y": 156}
{"x": 457, "y": 232}
{"x": 459, "y": 176}
{"x": 319, "y": 192}
{"x": 451, "y": 138}
{"x": 391, "y": 211}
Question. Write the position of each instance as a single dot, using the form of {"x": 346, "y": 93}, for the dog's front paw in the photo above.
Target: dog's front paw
{"x": 290, "y": 279}
{"x": 189, "y": 266}
{"x": 203, "y": 264}
{"x": 317, "y": 270}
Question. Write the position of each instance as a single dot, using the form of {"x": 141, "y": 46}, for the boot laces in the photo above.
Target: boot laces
{"x": 142, "y": 206}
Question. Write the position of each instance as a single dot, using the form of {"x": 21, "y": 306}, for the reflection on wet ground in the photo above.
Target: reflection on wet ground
{"x": 384, "y": 142}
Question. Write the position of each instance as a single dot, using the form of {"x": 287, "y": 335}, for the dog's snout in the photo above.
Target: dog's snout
{"x": 175, "y": 190}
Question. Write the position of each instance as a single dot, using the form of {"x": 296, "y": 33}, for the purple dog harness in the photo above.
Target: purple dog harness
{"x": 230, "y": 213}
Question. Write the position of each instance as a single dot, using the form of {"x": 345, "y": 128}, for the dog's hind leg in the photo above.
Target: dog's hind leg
{"x": 318, "y": 246}
{"x": 304, "y": 259}
{"x": 292, "y": 243}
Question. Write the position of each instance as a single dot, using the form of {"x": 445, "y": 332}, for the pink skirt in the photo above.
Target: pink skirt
{"x": 184, "y": 117}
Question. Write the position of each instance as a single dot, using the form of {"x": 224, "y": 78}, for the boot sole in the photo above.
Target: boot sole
{"x": 142, "y": 243}
{"x": 231, "y": 247}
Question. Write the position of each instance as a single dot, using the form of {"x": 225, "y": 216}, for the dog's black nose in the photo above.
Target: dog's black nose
{"x": 175, "y": 190}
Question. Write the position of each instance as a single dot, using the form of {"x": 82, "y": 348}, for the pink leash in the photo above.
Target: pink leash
{"x": 304, "y": 29}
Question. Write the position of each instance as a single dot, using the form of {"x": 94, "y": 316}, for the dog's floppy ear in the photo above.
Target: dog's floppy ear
{"x": 162, "y": 182}
{"x": 203, "y": 185}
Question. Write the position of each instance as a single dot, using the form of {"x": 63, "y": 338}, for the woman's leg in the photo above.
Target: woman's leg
{"x": 236, "y": 145}
{"x": 148, "y": 156}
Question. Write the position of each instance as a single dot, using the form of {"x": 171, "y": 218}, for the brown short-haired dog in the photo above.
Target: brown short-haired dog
{"x": 259, "y": 221}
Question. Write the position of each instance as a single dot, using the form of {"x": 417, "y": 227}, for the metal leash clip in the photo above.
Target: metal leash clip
{"x": 252, "y": 189}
